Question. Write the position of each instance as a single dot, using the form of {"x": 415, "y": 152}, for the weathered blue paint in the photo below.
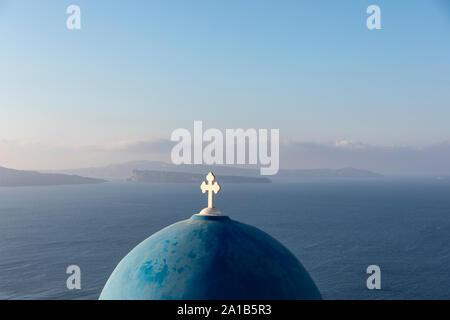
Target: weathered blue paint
{"x": 209, "y": 257}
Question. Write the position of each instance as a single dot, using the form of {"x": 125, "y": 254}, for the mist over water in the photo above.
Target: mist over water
{"x": 336, "y": 229}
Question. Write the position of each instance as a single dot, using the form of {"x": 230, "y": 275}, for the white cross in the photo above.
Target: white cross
{"x": 212, "y": 187}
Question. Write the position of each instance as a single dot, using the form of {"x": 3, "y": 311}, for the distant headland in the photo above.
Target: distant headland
{"x": 170, "y": 176}
{"x": 162, "y": 172}
{"x": 123, "y": 171}
{"x": 20, "y": 178}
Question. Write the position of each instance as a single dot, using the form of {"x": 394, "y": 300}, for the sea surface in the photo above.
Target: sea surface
{"x": 336, "y": 229}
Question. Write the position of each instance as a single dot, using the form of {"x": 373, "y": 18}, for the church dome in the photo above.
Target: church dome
{"x": 209, "y": 257}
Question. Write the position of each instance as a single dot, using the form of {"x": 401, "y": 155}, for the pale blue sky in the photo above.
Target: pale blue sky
{"x": 140, "y": 69}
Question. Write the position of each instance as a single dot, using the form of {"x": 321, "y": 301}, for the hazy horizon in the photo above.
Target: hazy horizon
{"x": 387, "y": 160}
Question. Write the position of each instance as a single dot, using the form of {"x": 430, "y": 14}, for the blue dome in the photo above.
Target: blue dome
{"x": 210, "y": 258}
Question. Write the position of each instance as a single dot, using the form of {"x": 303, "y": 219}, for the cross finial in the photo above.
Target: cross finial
{"x": 210, "y": 187}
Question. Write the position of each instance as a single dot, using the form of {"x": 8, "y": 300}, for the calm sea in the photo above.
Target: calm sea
{"x": 336, "y": 229}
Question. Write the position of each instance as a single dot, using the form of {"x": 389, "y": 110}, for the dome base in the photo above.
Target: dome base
{"x": 211, "y": 212}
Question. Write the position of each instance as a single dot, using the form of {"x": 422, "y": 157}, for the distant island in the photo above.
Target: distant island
{"x": 20, "y": 178}
{"x": 123, "y": 171}
{"x": 170, "y": 176}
